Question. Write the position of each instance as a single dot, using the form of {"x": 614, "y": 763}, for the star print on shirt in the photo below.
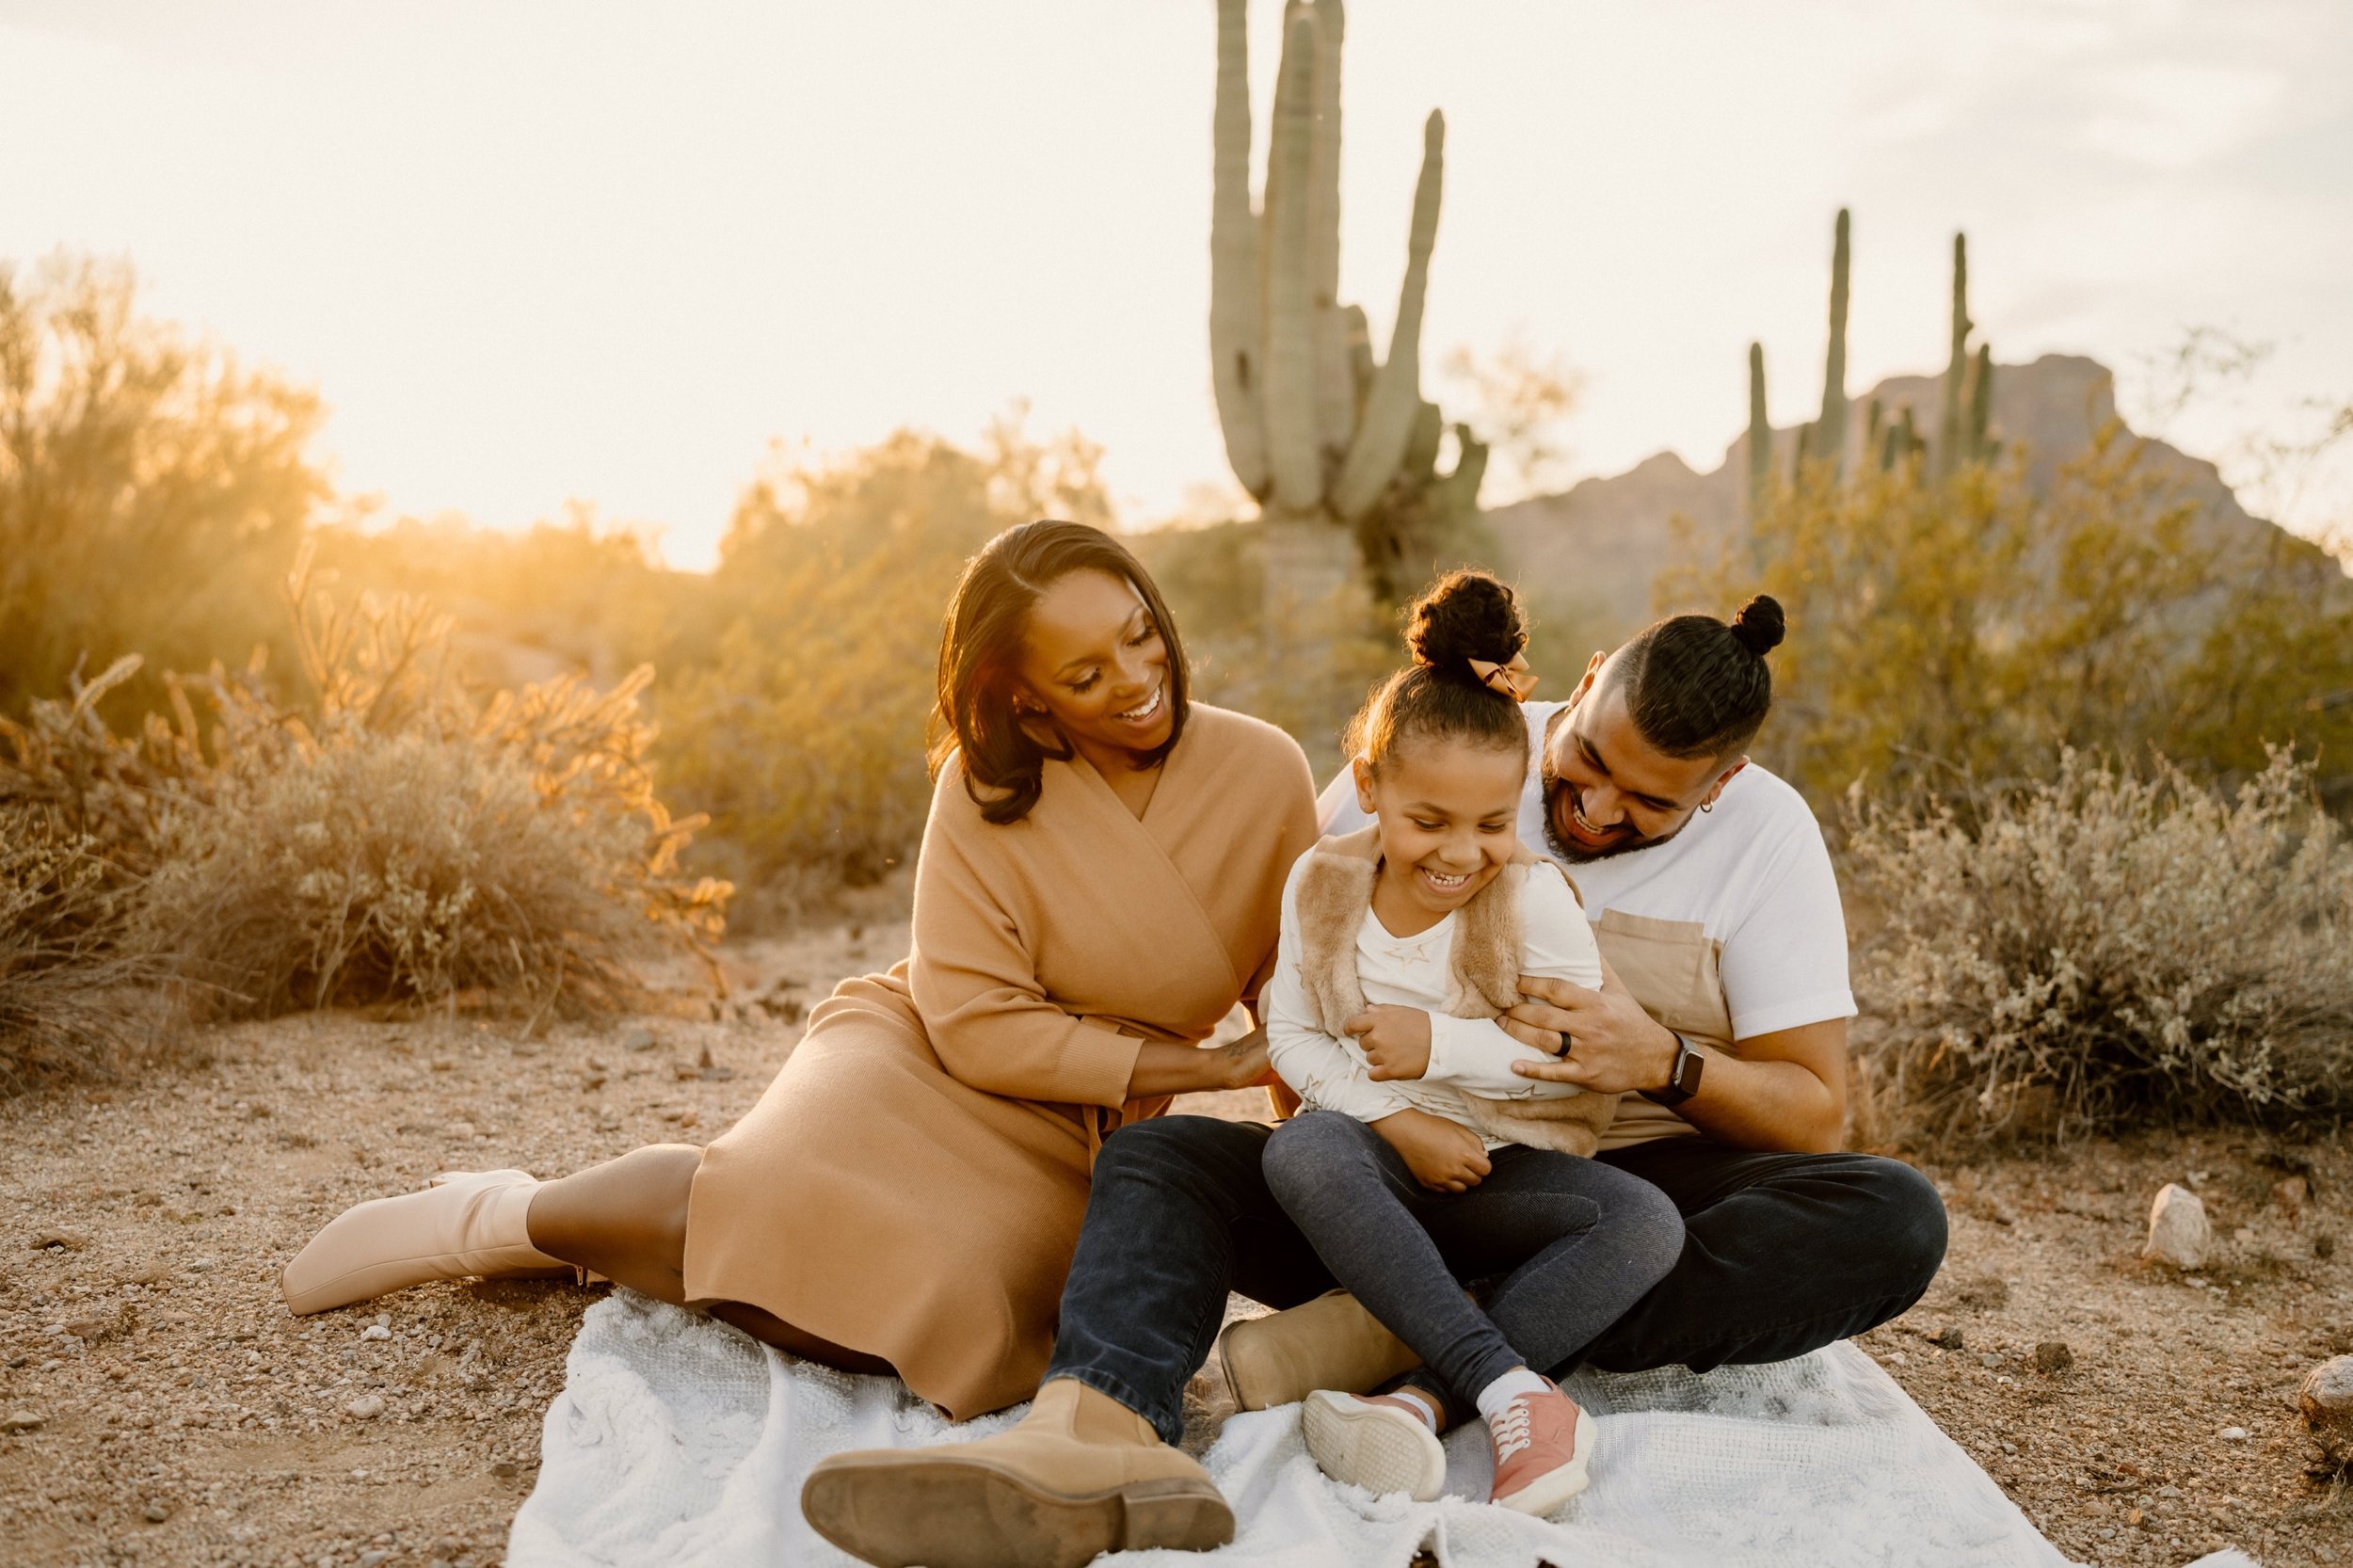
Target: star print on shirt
{"x": 1407, "y": 955}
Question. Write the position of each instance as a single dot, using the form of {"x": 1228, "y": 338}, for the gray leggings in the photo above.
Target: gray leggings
{"x": 1579, "y": 1241}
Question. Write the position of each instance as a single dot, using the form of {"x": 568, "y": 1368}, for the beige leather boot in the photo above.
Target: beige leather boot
{"x": 1330, "y": 1342}
{"x": 467, "y": 1222}
{"x": 1079, "y": 1476}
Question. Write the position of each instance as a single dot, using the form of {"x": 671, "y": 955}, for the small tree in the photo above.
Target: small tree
{"x": 152, "y": 491}
{"x": 800, "y": 728}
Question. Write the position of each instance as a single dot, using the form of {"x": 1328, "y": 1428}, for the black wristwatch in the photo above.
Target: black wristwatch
{"x": 1684, "y": 1080}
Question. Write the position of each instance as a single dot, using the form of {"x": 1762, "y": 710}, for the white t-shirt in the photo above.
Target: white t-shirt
{"x": 1753, "y": 874}
{"x": 1466, "y": 1055}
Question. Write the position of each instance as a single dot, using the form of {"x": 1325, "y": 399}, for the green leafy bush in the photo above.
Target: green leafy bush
{"x": 2076, "y": 952}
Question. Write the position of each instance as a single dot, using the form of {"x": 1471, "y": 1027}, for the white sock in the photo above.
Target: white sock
{"x": 1509, "y": 1387}
{"x": 1420, "y": 1403}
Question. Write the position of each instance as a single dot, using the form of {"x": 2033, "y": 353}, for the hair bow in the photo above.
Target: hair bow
{"x": 1514, "y": 680}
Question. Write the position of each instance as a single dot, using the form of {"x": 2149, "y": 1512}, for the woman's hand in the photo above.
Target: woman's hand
{"x": 1245, "y": 1061}
{"x": 1444, "y": 1156}
{"x": 1396, "y": 1041}
{"x": 1174, "y": 1069}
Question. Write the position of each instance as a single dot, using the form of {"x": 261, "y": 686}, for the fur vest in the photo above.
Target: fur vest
{"x": 1335, "y": 895}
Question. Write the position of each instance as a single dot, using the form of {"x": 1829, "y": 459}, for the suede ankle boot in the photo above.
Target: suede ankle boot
{"x": 1330, "y": 1342}
{"x": 467, "y": 1222}
{"x": 1079, "y": 1476}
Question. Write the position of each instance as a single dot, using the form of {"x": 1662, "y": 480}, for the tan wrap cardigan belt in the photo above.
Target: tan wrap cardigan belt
{"x": 912, "y": 1183}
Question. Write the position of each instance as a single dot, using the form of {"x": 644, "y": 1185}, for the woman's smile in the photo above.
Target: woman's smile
{"x": 1147, "y": 711}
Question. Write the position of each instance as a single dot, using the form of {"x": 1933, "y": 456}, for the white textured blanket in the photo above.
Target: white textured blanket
{"x": 678, "y": 1441}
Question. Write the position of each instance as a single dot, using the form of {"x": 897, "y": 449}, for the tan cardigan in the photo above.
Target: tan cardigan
{"x": 911, "y": 1184}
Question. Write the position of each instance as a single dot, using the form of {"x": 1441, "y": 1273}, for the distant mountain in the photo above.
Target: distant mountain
{"x": 1589, "y": 556}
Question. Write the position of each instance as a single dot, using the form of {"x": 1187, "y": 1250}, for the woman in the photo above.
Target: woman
{"x": 1099, "y": 883}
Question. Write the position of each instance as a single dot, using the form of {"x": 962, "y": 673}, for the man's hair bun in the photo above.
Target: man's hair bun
{"x": 1465, "y": 616}
{"x": 1759, "y": 625}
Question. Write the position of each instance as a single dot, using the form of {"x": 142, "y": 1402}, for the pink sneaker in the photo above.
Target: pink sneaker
{"x": 1379, "y": 1444}
{"x": 1543, "y": 1443}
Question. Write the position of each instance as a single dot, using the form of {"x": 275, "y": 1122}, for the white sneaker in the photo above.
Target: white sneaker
{"x": 1381, "y": 1443}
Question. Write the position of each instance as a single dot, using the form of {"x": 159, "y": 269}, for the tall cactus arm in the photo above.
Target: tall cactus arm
{"x": 1361, "y": 365}
{"x": 1420, "y": 463}
{"x": 1335, "y": 393}
{"x": 1950, "y": 428}
{"x": 1293, "y": 462}
{"x": 1455, "y": 493}
{"x": 1236, "y": 341}
{"x": 1760, "y": 433}
{"x": 1390, "y": 412}
{"x": 1830, "y": 434}
{"x": 1981, "y": 404}
{"x": 1271, "y": 189}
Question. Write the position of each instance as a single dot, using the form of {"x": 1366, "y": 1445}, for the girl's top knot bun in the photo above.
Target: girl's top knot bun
{"x": 1465, "y": 616}
{"x": 1759, "y": 625}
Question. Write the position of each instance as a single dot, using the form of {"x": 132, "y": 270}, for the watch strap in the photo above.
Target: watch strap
{"x": 1683, "y": 1079}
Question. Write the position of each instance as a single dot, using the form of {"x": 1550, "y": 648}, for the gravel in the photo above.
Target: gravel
{"x": 159, "y": 1406}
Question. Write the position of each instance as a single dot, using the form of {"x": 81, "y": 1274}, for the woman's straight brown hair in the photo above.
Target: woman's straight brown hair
{"x": 980, "y": 651}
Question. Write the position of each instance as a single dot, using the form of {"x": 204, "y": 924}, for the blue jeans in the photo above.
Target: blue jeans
{"x": 1576, "y": 1243}
{"x": 1782, "y": 1253}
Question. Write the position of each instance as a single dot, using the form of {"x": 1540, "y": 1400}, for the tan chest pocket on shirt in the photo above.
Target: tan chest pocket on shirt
{"x": 1670, "y": 965}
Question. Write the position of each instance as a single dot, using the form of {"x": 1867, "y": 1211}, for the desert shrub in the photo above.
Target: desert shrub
{"x": 393, "y": 839}
{"x": 801, "y": 732}
{"x": 573, "y": 594}
{"x": 113, "y": 790}
{"x": 152, "y": 490}
{"x": 76, "y": 999}
{"x": 2100, "y": 946}
{"x": 1974, "y": 627}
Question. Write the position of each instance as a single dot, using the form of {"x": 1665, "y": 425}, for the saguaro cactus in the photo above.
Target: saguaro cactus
{"x": 1829, "y": 441}
{"x": 1760, "y": 434}
{"x": 1962, "y": 426}
{"x": 1319, "y": 435}
{"x": 1823, "y": 440}
{"x": 1948, "y": 423}
{"x": 1964, "y": 435}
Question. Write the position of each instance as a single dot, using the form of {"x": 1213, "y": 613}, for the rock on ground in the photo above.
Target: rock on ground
{"x": 2178, "y": 1232}
{"x": 2326, "y": 1403}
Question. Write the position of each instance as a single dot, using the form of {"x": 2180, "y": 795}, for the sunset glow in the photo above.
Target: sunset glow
{"x": 537, "y": 253}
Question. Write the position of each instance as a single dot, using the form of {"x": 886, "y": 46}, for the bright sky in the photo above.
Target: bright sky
{"x": 586, "y": 250}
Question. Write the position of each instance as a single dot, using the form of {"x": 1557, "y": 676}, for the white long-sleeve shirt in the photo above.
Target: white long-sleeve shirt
{"x": 1466, "y": 1055}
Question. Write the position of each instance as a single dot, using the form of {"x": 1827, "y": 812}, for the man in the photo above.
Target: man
{"x": 1723, "y": 1023}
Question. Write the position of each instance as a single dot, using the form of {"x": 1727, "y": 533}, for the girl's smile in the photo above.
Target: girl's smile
{"x": 1447, "y": 810}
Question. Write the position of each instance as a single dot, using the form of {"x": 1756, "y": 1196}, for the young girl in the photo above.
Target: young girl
{"x": 1422, "y": 1157}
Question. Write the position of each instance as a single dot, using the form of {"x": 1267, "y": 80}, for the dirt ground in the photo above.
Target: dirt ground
{"x": 160, "y": 1406}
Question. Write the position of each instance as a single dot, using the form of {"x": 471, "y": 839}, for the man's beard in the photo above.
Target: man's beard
{"x": 1562, "y": 850}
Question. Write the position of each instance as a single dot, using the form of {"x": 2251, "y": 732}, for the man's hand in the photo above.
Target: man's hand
{"x": 1612, "y": 1046}
{"x": 1444, "y": 1156}
{"x": 1396, "y": 1041}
